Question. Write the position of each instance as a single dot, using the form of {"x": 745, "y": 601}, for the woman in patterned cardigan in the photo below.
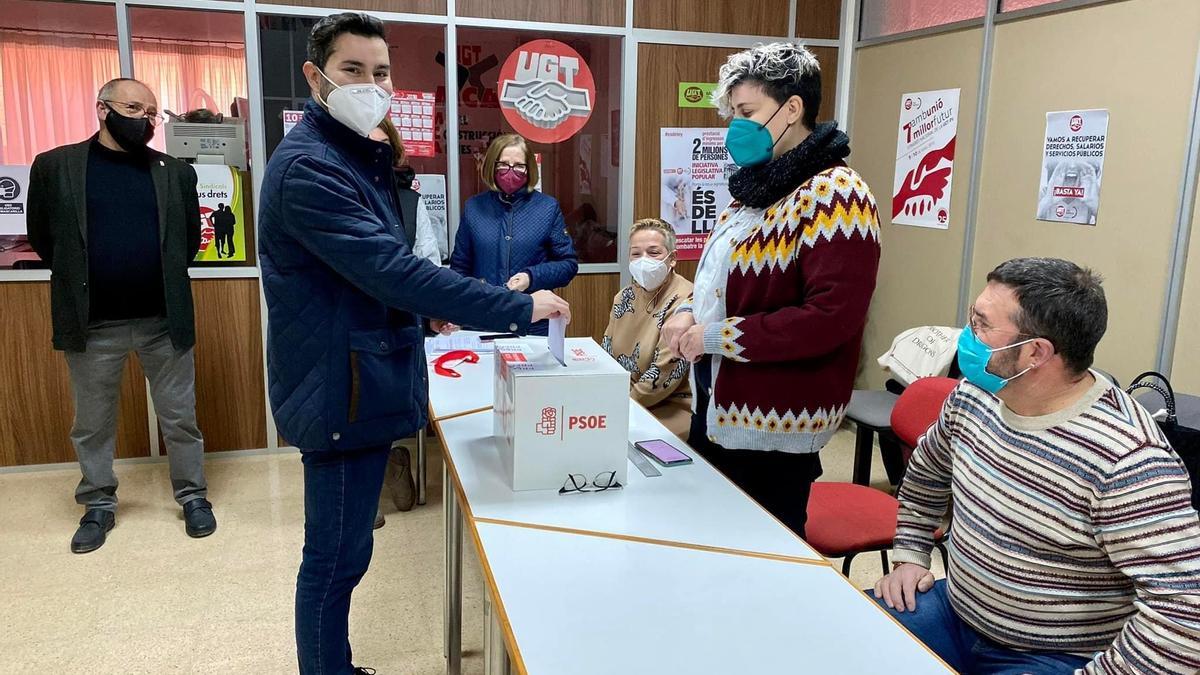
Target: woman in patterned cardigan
{"x": 658, "y": 378}
{"x": 783, "y": 286}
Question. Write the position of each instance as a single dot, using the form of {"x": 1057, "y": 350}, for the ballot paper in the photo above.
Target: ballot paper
{"x": 468, "y": 341}
{"x": 556, "y": 338}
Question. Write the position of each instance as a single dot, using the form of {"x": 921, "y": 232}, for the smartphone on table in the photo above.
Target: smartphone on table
{"x": 662, "y": 452}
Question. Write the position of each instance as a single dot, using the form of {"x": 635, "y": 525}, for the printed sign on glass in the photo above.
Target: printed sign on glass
{"x": 546, "y": 91}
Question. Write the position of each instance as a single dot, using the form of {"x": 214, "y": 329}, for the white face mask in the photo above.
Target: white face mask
{"x": 359, "y": 106}
{"x": 648, "y": 272}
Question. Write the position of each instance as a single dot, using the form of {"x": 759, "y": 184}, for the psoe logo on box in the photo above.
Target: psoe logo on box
{"x": 548, "y": 425}
{"x": 587, "y": 422}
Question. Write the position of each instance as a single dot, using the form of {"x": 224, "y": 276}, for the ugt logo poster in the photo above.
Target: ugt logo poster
{"x": 546, "y": 91}
{"x": 925, "y": 158}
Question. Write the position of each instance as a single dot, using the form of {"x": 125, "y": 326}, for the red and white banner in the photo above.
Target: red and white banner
{"x": 546, "y": 91}
{"x": 1072, "y": 166}
{"x": 928, "y": 131}
{"x": 412, "y": 113}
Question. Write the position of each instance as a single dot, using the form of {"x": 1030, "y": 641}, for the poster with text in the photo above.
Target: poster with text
{"x": 413, "y": 115}
{"x": 222, "y": 222}
{"x": 290, "y": 119}
{"x": 14, "y": 193}
{"x": 1072, "y": 166}
{"x": 432, "y": 188}
{"x": 925, "y": 143}
{"x": 695, "y": 184}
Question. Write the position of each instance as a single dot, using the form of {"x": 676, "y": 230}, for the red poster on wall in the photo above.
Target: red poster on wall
{"x": 412, "y": 113}
{"x": 546, "y": 91}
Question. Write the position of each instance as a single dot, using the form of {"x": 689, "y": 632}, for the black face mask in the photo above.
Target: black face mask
{"x": 131, "y": 133}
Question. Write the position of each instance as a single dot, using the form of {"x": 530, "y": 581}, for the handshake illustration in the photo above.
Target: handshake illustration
{"x": 545, "y": 103}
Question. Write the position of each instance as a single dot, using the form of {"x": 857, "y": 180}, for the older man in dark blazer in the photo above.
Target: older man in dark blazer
{"x": 118, "y": 224}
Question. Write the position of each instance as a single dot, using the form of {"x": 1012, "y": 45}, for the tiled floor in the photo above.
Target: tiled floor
{"x": 153, "y": 600}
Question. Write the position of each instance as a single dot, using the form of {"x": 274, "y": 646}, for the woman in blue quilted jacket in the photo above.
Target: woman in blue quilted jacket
{"x": 513, "y": 235}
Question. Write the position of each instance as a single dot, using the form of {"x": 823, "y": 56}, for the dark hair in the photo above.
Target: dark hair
{"x": 202, "y": 116}
{"x": 782, "y": 69}
{"x": 1061, "y": 302}
{"x": 327, "y": 31}
{"x": 808, "y": 88}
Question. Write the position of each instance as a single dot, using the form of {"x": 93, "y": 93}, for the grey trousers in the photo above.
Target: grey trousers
{"x": 96, "y": 384}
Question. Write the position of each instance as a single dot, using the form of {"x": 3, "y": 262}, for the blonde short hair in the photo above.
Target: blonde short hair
{"x": 656, "y": 225}
{"x": 487, "y": 170}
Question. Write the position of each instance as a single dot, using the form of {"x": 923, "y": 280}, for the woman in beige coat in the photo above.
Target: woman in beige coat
{"x": 658, "y": 378}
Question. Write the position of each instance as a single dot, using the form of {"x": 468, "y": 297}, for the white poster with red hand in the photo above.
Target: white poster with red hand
{"x": 928, "y": 131}
{"x": 1072, "y": 166}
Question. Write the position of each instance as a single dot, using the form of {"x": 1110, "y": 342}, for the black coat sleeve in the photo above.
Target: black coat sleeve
{"x": 37, "y": 220}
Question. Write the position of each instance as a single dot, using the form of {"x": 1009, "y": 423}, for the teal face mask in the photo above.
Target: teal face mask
{"x": 973, "y": 357}
{"x": 750, "y": 143}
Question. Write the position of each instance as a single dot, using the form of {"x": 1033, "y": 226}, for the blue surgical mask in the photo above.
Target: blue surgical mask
{"x": 973, "y": 357}
{"x": 750, "y": 143}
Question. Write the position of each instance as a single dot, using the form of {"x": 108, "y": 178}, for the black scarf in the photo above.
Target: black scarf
{"x": 761, "y": 186}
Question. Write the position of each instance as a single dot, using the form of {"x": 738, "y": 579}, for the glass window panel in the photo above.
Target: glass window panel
{"x": 889, "y": 17}
{"x": 581, "y": 172}
{"x": 54, "y": 57}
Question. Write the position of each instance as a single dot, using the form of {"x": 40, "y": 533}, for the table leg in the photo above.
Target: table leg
{"x": 446, "y": 497}
{"x": 495, "y": 657}
{"x": 454, "y": 539}
{"x": 422, "y": 467}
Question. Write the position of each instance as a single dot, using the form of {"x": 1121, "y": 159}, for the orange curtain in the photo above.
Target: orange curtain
{"x": 186, "y": 77}
{"x": 48, "y": 88}
{"x": 48, "y": 85}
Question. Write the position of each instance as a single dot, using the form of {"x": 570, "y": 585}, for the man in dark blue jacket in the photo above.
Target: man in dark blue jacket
{"x": 345, "y": 297}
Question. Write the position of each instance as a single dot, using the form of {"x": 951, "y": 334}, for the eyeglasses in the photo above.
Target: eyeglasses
{"x": 978, "y": 329}
{"x": 137, "y": 110}
{"x": 577, "y": 482}
{"x": 519, "y": 168}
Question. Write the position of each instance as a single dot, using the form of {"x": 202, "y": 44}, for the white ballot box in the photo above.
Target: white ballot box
{"x": 554, "y": 420}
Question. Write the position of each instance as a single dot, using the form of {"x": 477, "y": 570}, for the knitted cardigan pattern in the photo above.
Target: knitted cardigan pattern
{"x": 799, "y": 287}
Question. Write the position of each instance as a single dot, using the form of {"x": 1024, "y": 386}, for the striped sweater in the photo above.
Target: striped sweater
{"x": 1072, "y": 532}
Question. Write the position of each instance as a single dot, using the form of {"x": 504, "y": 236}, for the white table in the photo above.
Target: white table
{"x": 692, "y": 504}
{"x": 452, "y": 396}
{"x": 587, "y": 604}
{"x": 474, "y": 390}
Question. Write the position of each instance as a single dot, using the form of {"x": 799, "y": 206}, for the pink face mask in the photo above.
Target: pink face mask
{"x": 510, "y": 180}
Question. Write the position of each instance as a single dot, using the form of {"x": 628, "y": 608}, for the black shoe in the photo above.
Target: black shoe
{"x": 380, "y": 521}
{"x": 93, "y": 528}
{"x": 364, "y": 671}
{"x": 399, "y": 479}
{"x": 199, "y": 519}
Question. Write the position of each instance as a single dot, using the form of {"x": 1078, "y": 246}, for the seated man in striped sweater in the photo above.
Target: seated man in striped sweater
{"x": 1075, "y": 547}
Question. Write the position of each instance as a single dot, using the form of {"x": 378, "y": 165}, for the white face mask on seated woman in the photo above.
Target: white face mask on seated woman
{"x": 650, "y": 257}
{"x": 648, "y": 272}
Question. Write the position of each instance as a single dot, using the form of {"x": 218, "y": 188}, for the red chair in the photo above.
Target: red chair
{"x": 845, "y": 519}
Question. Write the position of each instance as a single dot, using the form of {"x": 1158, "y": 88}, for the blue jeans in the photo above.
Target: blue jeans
{"x": 935, "y": 623}
{"x": 341, "y": 495}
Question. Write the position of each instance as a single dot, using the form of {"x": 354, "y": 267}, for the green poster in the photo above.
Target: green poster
{"x": 222, "y": 222}
{"x": 696, "y": 94}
